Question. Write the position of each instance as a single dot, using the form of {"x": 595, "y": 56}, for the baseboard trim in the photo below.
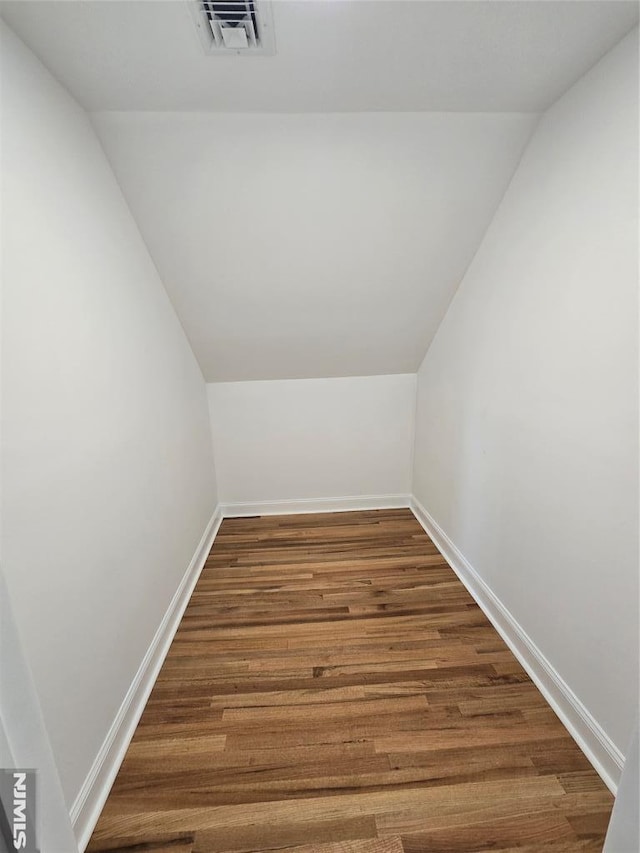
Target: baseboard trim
{"x": 293, "y": 507}
{"x": 597, "y": 746}
{"x": 603, "y": 754}
{"x": 95, "y": 790}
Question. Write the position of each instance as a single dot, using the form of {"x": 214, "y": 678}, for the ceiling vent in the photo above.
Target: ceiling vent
{"x": 237, "y": 27}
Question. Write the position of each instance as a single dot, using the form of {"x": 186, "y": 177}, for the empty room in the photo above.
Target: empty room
{"x": 319, "y": 435}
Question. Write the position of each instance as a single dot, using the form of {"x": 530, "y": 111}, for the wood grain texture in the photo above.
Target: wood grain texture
{"x": 333, "y": 688}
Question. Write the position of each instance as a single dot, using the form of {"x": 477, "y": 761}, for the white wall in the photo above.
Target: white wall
{"x": 24, "y": 741}
{"x": 527, "y": 425}
{"x": 623, "y": 835}
{"x": 108, "y": 479}
{"x": 314, "y": 438}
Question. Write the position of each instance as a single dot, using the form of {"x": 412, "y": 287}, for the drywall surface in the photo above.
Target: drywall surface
{"x": 108, "y": 480}
{"x": 24, "y": 742}
{"x": 623, "y": 835}
{"x": 300, "y": 246}
{"x": 330, "y": 57}
{"x": 315, "y": 438}
{"x": 527, "y": 414}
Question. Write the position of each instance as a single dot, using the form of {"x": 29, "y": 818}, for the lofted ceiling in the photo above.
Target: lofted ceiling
{"x": 312, "y": 213}
{"x": 314, "y": 245}
{"x": 331, "y": 55}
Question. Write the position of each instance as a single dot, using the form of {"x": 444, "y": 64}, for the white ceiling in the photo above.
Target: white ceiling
{"x": 312, "y": 213}
{"x": 298, "y": 246}
{"x": 332, "y": 55}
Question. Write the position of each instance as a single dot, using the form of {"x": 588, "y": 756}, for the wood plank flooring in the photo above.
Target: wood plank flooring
{"x": 333, "y": 688}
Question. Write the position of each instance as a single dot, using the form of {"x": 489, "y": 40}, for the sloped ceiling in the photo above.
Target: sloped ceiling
{"x": 312, "y": 213}
{"x": 312, "y": 245}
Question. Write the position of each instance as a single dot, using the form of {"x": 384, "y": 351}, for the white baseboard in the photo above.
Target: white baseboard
{"x": 95, "y": 790}
{"x": 603, "y": 754}
{"x": 588, "y": 734}
{"x": 292, "y": 507}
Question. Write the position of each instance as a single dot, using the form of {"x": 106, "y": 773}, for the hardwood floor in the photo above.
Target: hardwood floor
{"x": 333, "y": 688}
